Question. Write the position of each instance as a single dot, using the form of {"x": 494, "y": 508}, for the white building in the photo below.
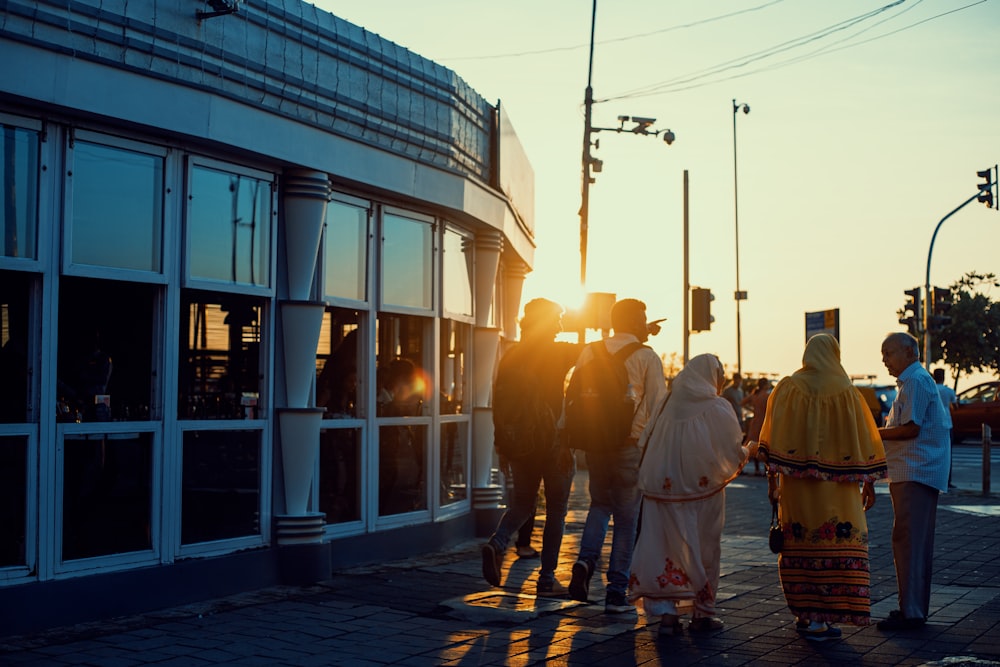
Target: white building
{"x": 254, "y": 271}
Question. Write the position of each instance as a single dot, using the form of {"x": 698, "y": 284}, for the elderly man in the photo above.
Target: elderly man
{"x": 918, "y": 451}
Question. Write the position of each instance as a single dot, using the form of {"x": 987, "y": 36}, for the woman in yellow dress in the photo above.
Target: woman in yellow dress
{"x": 820, "y": 442}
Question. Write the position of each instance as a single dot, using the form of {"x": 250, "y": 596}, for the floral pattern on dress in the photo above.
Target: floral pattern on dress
{"x": 667, "y": 484}
{"x": 830, "y": 530}
{"x": 672, "y": 575}
{"x": 703, "y": 482}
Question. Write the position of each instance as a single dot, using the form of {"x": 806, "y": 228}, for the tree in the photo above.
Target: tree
{"x": 971, "y": 341}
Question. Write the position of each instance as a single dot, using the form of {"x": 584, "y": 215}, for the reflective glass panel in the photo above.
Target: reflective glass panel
{"x": 403, "y": 383}
{"x": 407, "y": 262}
{"x": 220, "y": 356}
{"x": 106, "y": 367}
{"x": 454, "y": 462}
{"x": 402, "y": 469}
{"x": 229, "y": 227}
{"x": 346, "y": 260}
{"x": 13, "y": 499}
{"x": 338, "y": 360}
{"x": 117, "y": 207}
{"x": 15, "y": 385}
{"x": 19, "y": 192}
{"x": 220, "y": 488}
{"x": 107, "y": 494}
{"x": 457, "y": 279}
{"x": 340, "y": 474}
{"x": 453, "y": 378}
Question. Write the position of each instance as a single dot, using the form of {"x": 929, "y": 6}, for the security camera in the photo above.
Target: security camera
{"x": 669, "y": 137}
{"x": 643, "y": 121}
{"x": 746, "y": 108}
{"x": 622, "y": 119}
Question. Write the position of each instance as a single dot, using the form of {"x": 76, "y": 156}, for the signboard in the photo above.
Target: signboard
{"x": 823, "y": 321}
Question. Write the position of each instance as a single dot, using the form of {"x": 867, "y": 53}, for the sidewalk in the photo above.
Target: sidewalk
{"x": 438, "y": 610}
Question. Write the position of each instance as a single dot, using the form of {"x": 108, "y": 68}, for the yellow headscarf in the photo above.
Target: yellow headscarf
{"x": 817, "y": 425}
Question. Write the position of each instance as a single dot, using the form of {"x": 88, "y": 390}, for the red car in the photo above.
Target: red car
{"x": 976, "y": 406}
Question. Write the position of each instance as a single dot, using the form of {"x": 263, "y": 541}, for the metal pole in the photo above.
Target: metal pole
{"x": 987, "y": 436}
{"x": 736, "y": 220}
{"x": 927, "y": 284}
{"x": 687, "y": 284}
{"x": 588, "y": 101}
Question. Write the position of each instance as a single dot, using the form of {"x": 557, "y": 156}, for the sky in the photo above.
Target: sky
{"x": 868, "y": 122}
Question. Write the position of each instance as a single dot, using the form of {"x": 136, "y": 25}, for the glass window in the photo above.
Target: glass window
{"x": 13, "y": 499}
{"x": 220, "y": 356}
{"x": 403, "y": 387}
{"x": 453, "y": 378}
{"x": 107, "y": 494}
{"x": 346, "y": 259}
{"x": 402, "y": 469}
{"x": 340, "y": 474}
{"x": 19, "y": 192}
{"x": 220, "y": 489}
{"x": 15, "y": 375}
{"x": 454, "y": 462}
{"x": 117, "y": 207}
{"x": 457, "y": 278}
{"x": 407, "y": 262}
{"x": 229, "y": 227}
{"x": 106, "y": 367}
{"x": 338, "y": 360}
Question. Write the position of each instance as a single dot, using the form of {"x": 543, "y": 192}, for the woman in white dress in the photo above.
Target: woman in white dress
{"x": 692, "y": 451}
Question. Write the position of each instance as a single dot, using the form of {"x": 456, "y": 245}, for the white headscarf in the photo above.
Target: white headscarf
{"x": 693, "y": 443}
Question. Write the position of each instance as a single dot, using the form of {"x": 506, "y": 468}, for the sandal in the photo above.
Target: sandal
{"x": 707, "y": 624}
{"x": 670, "y": 626}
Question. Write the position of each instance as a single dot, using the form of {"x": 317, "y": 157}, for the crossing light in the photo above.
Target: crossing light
{"x": 701, "y": 309}
{"x": 940, "y": 305}
{"x": 987, "y": 189}
{"x": 912, "y": 320}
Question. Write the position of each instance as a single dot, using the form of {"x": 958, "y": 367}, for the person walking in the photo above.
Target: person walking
{"x": 948, "y": 399}
{"x": 918, "y": 449}
{"x": 734, "y": 394}
{"x": 614, "y": 469}
{"x": 527, "y": 402}
{"x": 757, "y": 400}
{"x": 819, "y": 441}
{"x": 692, "y": 450}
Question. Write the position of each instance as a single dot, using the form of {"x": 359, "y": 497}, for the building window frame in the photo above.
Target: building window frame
{"x": 43, "y": 206}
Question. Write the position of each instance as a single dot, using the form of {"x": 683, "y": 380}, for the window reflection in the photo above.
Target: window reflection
{"x": 453, "y": 378}
{"x": 220, "y": 356}
{"x": 457, "y": 278}
{"x": 402, "y": 470}
{"x": 407, "y": 261}
{"x": 15, "y": 387}
{"x": 107, "y": 494}
{"x": 454, "y": 462}
{"x": 220, "y": 486}
{"x": 106, "y": 368}
{"x": 338, "y": 360}
{"x": 346, "y": 258}
{"x": 19, "y": 192}
{"x": 340, "y": 475}
{"x": 13, "y": 499}
{"x": 229, "y": 227}
{"x": 117, "y": 207}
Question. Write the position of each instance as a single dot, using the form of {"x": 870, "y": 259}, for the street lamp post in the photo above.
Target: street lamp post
{"x": 739, "y": 294}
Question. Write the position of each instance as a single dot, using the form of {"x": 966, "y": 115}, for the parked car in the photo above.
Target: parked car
{"x": 878, "y": 398}
{"x": 976, "y": 406}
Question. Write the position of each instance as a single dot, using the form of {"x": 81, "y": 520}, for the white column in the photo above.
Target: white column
{"x": 514, "y": 273}
{"x": 488, "y": 247}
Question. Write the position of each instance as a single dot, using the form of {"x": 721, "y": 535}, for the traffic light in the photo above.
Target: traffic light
{"x": 701, "y": 309}
{"x": 940, "y": 305}
{"x": 987, "y": 188}
{"x": 913, "y": 321}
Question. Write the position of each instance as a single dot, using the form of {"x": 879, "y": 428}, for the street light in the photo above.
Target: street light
{"x": 739, "y": 294}
{"x": 642, "y": 126}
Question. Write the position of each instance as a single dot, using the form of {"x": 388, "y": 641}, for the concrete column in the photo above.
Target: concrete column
{"x": 488, "y": 247}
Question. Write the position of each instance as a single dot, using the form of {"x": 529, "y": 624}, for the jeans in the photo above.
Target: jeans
{"x": 556, "y": 470}
{"x": 613, "y": 493}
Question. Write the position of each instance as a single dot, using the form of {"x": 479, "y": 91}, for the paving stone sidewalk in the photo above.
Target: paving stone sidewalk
{"x": 437, "y": 610}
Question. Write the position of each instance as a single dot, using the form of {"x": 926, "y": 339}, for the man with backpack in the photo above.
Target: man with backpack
{"x": 527, "y": 403}
{"x": 614, "y": 388}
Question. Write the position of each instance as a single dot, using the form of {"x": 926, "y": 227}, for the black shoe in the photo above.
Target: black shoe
{"x": 897, "y": 621}
{"x": 492, "y": 562}
{"x": 579, "y": 584}
{"x": 617, "y": 603}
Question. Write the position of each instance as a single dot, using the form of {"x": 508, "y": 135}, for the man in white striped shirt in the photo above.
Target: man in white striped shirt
{"x": 918, "y": 451}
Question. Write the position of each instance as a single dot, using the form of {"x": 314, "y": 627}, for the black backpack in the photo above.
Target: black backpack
{"x": 524, "y": 425}
{"x": 599, "y": 409}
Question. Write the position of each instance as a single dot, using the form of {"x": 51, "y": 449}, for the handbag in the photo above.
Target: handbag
{"x": 776, "y": 536}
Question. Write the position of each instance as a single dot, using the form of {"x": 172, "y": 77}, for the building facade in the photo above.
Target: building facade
{"x": 255, "y": 273}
